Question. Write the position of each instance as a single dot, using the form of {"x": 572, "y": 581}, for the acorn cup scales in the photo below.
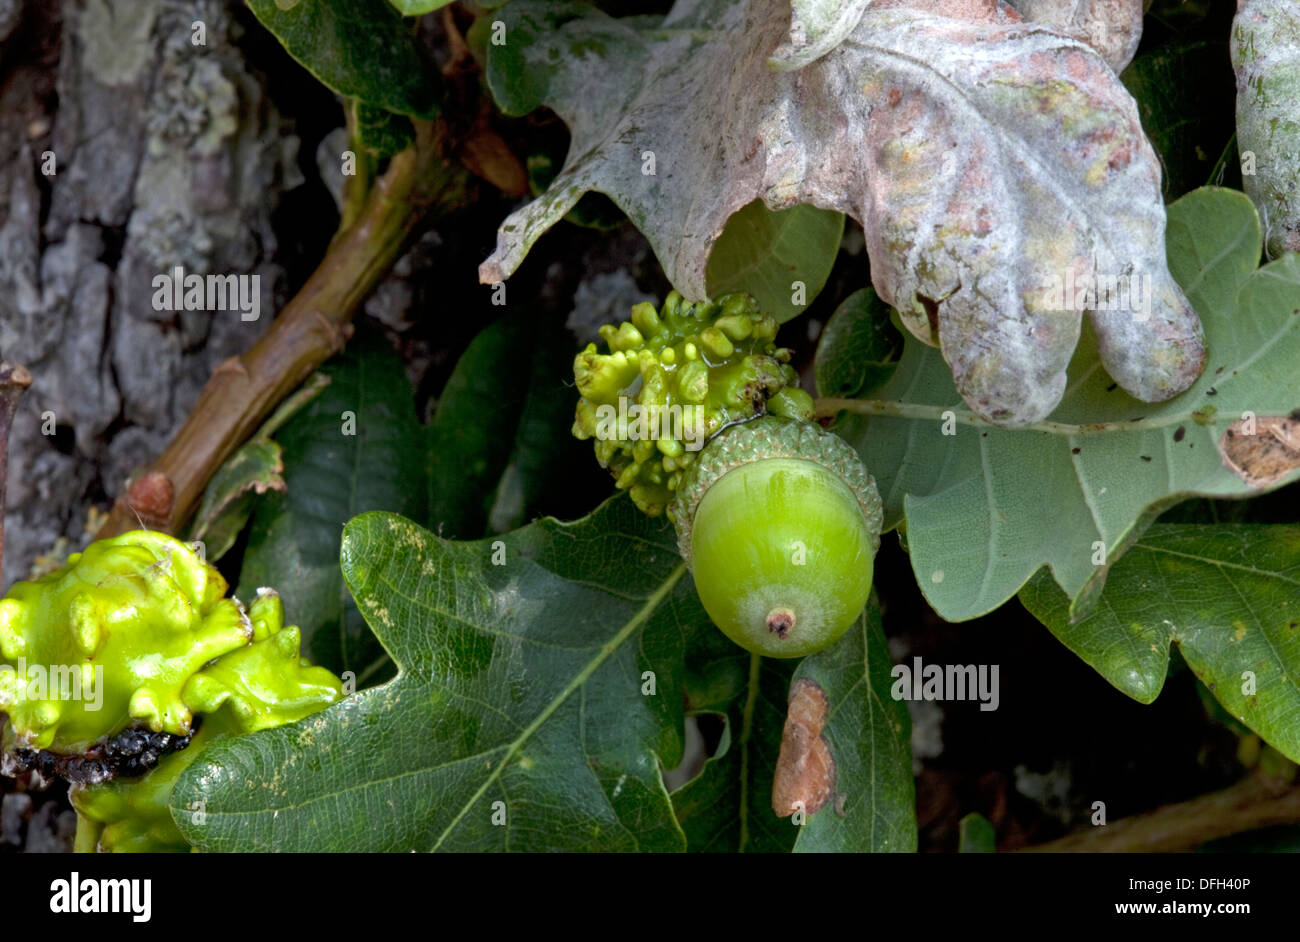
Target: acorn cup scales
{"x": 779, "y": 522}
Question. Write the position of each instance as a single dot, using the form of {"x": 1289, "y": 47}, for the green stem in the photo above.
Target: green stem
{"x": 746, "y": 730}
{"x": 1216, "y": 175}
{"x": 356, "y": 186}
{"x": 87, "y": 837}
{"x": 828, "y": 407}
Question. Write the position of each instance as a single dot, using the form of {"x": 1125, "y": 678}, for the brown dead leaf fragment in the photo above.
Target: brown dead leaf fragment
{"x": 1269, "y": 454}
{"x": 486, "y": 154}
{"x": 805, "y": 768}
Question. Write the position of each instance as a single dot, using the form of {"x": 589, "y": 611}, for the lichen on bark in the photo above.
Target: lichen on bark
{"x": 163, "y": 153}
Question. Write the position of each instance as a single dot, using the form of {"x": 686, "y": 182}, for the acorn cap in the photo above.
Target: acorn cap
{"x": 773, "y": 437}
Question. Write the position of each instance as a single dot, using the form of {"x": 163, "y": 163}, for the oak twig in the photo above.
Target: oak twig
{"x": 1259, "y": 800}
{"x": 14, "y": 380}
{"x": 312, "y": 327}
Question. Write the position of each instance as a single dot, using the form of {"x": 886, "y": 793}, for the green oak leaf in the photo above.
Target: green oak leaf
{"x": 472, "y": 433}
{"x": 541, "y": 693}
{"x": 491, "y": 446}
{"x": 417, "y": 7}
{"x": 869, "y": 733}
{"x": 359, "y": 48}
{"x": 986, "y": 508}
{"x": 728, "y": 806}
{"x": 255, "y": 468}
{"x": 1228, "y": 595}
{"x": 520, "y": 82}
{"x": 383, "y": 133}
{"x": 230, "y": 496}
{"x": 356, "y": 447}
{"x": 859, "y": 348}
{"x": 768, "y": 253}
{"x": 549, "y": 470}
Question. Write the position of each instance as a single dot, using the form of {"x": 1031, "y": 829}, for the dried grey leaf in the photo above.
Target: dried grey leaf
{"x": 993, "y": 163}
{"x": 1112, "y": 27}
{"x": 816, "y": 27}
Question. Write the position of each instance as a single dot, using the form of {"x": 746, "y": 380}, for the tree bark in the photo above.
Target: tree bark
{"x": 313, "y": 326}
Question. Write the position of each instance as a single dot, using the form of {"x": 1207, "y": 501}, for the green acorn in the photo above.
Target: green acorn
{"x": 779, "y": 522}
{"x": 700, "y": 365}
